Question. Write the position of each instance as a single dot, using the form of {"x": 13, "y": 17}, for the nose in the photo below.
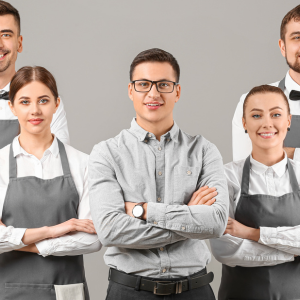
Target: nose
{"x": 1, "y": 43}
{"x": 35, "y": 109}
{"x": 268, "y": 123}
{"x": 154, "y": 93}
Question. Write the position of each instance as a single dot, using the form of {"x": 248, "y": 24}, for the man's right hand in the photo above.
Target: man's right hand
{"x": 204, "y": 196}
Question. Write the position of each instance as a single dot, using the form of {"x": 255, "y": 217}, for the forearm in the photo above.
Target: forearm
{"x": 11, "y": 238}
{"x": 234, "y": 251}
{"x": 30, "y": 248}
{"x": 32, "y": 236}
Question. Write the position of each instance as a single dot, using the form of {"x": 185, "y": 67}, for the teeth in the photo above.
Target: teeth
{"x": 152, "y": 104}
{"x": 267, "y": 134}
{"x": 1, "y": 55}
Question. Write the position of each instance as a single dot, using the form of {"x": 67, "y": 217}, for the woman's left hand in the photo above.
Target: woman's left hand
{"x": 237, "y": 229}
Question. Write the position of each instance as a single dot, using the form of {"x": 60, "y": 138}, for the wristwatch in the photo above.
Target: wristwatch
{"x": 138, "y": 210}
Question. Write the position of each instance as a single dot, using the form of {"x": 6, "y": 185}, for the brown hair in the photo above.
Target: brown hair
{"x": 293, "y": 14}
{"x": 7, "y": 9}
{"x": 264, "y": 89}
{"x": 27, "y": 75}
{"x": 155, "y": 55}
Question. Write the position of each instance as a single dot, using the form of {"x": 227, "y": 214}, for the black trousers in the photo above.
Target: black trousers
{"x": 118, "y": 291}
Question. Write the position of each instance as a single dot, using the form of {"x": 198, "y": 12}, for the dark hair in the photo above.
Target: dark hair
{"x": 155, "y": 55}
{"x": 27, "y": 75}
{"x": 7, "y": 9}
{"x": 264, "y": 89}
{"x": 293, "y": 14}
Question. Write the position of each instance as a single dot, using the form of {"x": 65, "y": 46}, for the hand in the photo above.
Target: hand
{"x": 237, "y": 229}
{"x": 290, "y": 152}
{"x": 2, "y": 224}
{"x": 130, "y": 205}
{"x": 70, "y": 226}
{"x": 204, "y": 196}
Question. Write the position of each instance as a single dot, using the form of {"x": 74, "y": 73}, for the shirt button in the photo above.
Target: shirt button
{"x": 168, "y": 140}
{"x": 155, "y": 223}
{"x": 164, "y": 270}
{"x": 159, "y": 148}
{"x": 146, "y": 141}
{"x": 149, "y": 135}
{"x": 159, "y": 173}
{"x": 189, "y": 172}
{"x": 183, "y": 228}
{"x": 158, "y": 199}
{"x": 161, "y": 249}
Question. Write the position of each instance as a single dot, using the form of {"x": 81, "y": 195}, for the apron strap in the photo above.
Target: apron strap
{"x": 281, "y": 84}
{"x": 293, "y": 178}
{"x": 63, "y": 158}
{"x": 246, "y": 177}
{"x": 12, "y": 164}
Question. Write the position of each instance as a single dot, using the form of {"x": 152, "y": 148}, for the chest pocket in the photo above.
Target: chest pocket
{"x": 185, "y": 183}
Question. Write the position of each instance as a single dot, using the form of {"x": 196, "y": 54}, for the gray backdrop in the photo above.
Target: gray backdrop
{"x": 224, "y": 48}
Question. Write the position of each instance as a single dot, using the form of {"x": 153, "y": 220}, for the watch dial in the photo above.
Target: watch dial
{"x": 138, "y": 211}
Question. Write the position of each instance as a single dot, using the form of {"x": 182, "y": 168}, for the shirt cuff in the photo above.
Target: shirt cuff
{"x": 16, "y": 236}
{"x": 297, "y": 154}
{"x": 45, "y": 247}
{"x": 268, "y": 236}
{"x": 156, "y": 214}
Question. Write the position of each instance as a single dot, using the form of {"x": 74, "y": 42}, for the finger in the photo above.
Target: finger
{"x": 208, "y": 197}
{"x": 210, "y": 202}
{"x": 206, "y": 192}
{"x": 195, "y": 194}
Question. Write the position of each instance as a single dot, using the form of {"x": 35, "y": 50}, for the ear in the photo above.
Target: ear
{"x": 178, "y": 92}
{"x": 20, "y": 43}
{"x": 57, "y": 104}
{"x": 12, "y": 108}
{"x": 130, "y": 91}
{"x": 289, "y": 120}
{"x": 244, "y": 123}
{"x": 282, "y": 47}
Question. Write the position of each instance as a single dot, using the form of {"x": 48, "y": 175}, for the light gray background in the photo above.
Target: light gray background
{"x": 224, "y": 48}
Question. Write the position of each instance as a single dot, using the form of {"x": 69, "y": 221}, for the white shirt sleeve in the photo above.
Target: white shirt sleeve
{"x": 297, "y": 154}
{"x": 75, "y": 243}
{"x": 11, "y": 238}
{"x": 241, "y": 143}
{"x": 59, "y": 125}
{"x": 285, "y": 239}
{"x": 234, "y": 251}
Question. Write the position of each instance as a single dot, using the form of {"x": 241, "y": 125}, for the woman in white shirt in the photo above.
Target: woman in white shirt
{"x": 45, "y": 221}
{"x": 259, "y": 247}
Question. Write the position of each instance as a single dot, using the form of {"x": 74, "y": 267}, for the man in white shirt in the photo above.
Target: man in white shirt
{"x": 11, "y": 43}
{"x": 289, "y": 44}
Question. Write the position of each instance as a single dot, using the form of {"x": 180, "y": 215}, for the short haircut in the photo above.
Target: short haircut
{"x": 27, "y": 75}
{"x": 7, "y": 9}
{"x": 264, "y": 89}
{"x": 155, "y": 55}
{"x": 293, "y": 14}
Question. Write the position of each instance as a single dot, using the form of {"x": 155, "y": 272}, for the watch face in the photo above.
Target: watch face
{"x": 138, "y": 211}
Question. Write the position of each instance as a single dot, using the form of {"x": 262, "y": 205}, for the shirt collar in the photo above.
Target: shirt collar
{"x": 17, "y": 149}
{"x": 290, "y": 84}
{"x": 278, "y": 168}
{"x": 142, "y": 134}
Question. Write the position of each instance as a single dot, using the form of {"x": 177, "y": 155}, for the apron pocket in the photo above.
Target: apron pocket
{"x": 24, "y": 291}
{"x": 70, "y": 291}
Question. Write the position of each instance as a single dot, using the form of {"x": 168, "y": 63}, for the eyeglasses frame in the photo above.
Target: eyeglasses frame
{"x": 154, "y": 82}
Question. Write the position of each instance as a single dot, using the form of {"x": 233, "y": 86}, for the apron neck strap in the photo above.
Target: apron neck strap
{"x": 12, "y": 163}
{"x": 63, "y": 158}
{"x": 281, "y": 84}
{"x": 293, "y": 178}
{"x": 246, "y": 177}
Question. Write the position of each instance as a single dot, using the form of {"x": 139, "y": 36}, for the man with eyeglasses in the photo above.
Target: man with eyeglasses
{"x": 156, "y": 193}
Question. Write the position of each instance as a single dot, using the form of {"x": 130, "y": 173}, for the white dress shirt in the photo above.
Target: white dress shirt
{"x": 241, "y": 143}
{"x": 48, "y": 167}
{"x": 59, "y": 125}
{"x": 276, "y": 245}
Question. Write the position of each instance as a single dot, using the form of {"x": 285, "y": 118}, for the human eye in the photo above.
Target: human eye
{"x": 44, "y": 101}
{"x": 277, "y": 115}
{"x": 164, "y": 84}
{"x": 25, "y": 102}
{"x": 256, "y": 116}
{"x": 5, "y": 35}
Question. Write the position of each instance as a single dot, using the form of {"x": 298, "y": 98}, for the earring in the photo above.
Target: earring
{"x": 289, "y": 129}
{"x": 246, "y": 131}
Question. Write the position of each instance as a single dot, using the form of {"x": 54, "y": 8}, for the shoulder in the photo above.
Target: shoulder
{"x": 296, "y": 166}
{"x": 76, "y": 158}
{"x": 234, "y": 172}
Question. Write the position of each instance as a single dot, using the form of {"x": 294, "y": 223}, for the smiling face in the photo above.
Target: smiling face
{"x": 34, "y": 105}
{"x": 266, "y": 119}
{"x": 154, "y": 107}
{"x": 10, "y": 43}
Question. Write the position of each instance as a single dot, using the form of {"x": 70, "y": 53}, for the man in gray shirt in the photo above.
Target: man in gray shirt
{"x": 156, "y": 193}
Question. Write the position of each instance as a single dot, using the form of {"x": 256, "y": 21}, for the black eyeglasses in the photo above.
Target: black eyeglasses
{"x": 162, "y": 86}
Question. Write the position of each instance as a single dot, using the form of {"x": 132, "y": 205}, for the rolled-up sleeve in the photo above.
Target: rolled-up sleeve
{"x": 114, "y": 227}
{"x": 11, "y": 238}
{"x": 197, "y": 221}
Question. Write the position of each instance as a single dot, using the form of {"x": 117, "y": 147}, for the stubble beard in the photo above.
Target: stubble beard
{"x": 3, "y": 68}
{"x": 296, "y": 66}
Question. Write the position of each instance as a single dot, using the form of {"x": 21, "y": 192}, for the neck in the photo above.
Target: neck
{"x": 6, "y": 76}
{"x": 158, "y": 128}
{"x": 36, "y": 144}
{"x": 295, "y": 76}
{"x": 268, "y": 157}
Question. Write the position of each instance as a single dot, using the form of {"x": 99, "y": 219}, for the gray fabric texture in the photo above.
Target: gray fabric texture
{"x": 134, "y": 166}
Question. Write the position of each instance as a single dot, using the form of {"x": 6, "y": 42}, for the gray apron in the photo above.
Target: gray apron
{"x": 9, "y": 129}
{"x": 280, "y": 282}
{"x": 292, "y": 138}
{"x": 32, "y": 202}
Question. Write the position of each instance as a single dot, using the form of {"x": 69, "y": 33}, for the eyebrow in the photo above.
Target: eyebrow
{"x": 154, "y": 80}
{"x": 6, "y": 30}
{"x": 275, "y": 107}
{"x": 26, "y": 98}
{"x": 295, "y": 33}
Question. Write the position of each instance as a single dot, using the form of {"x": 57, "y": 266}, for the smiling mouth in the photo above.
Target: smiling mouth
{"x": 152, "y": 104}
{"x": 267, "y": 134}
